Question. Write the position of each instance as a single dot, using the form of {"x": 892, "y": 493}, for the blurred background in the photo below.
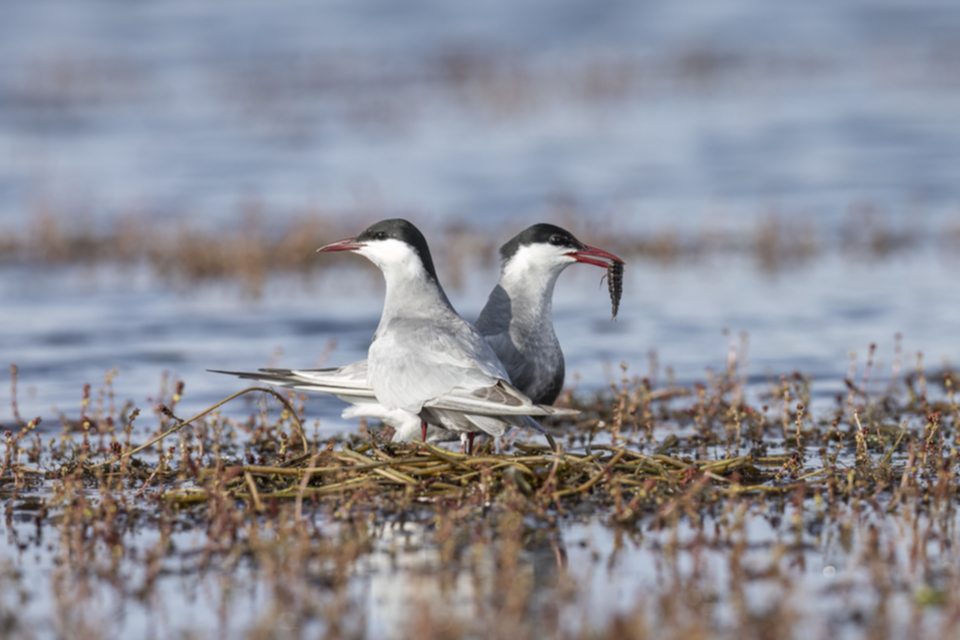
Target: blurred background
{"x": 781, "y": 179}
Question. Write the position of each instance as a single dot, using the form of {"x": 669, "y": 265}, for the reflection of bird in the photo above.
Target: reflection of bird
{"x": 425, "y": 363}
{"x": 517, "y": 322}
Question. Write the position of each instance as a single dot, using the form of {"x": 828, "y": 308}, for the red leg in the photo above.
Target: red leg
{"x": 470, "y": 437}
{"x": 423, "y": 430}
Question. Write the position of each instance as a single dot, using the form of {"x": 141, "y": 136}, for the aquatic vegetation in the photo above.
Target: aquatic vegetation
{"x": 666, "y": 511}
{"x": 186, "y": 255}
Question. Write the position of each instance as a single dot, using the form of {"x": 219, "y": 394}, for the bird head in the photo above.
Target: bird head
{"x": 389, "y": 244}
{"x": 549, "y": 246}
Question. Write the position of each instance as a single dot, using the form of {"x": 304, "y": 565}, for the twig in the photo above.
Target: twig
{"x": 298, "y": 510}
{"x": 183, "y": 423}
{"x": 595, "y": 479}
{"x": 253, "y": 492}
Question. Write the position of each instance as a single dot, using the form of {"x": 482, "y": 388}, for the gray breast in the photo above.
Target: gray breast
{"x": 526, "y": 345}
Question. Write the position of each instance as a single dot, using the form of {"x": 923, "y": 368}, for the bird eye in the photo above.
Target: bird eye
{"x": 557, "y": 240}
{"x": 380, "y": 235}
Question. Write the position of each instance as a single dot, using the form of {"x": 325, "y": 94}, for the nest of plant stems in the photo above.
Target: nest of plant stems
{"x": 261, "y": 512}
{"x": 615, "y": 456}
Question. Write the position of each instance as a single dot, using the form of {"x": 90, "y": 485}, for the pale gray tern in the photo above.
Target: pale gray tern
{"x": 426, "y": 365}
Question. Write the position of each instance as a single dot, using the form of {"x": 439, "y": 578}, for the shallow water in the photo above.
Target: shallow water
{"x": 815, "y": 566}
{"x": 488, "y": 113}
{"x": 640, "y": 117}
{"x": 66, "y": 330}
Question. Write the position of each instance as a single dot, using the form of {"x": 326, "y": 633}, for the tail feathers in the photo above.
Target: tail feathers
{"x": 348, "y": 387}
{"x": 530, "y": 423}
{"x": 275, "y": 376}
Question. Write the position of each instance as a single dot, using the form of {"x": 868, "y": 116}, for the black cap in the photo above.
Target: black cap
{"x": 542, "y": 233}
{"x": 405, "y": 231}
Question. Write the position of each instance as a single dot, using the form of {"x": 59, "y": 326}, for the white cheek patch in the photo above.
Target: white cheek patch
{"x": 538, "y": 257}
{"x": 389, "y": 253}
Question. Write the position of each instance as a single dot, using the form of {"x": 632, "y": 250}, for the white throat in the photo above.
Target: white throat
{"x": 411, "y": 290}
{"x": 529, "y": 278}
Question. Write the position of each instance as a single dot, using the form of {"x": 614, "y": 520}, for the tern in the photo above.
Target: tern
{"x": 426, "y": 364}
{"x": 517, "y": 321}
